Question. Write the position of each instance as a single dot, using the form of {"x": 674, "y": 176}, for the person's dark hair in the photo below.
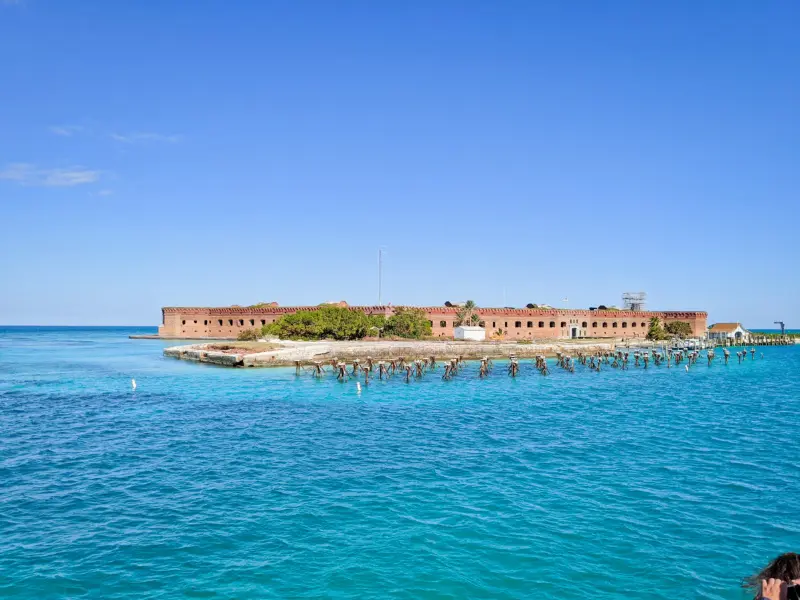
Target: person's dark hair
{"x": 786, "y": 567}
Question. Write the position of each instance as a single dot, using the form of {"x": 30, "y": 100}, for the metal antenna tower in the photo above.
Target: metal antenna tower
{"x": 380, "y": 276}
{"x": 634, "y": 300}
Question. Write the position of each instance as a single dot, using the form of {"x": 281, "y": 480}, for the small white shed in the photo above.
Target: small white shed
{"x": 469, "y": 332}
{"x": 731, "y": 331}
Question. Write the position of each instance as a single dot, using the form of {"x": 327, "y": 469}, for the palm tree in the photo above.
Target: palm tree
{"x": 655, "y": 332}
{"x": 466, "y": 315}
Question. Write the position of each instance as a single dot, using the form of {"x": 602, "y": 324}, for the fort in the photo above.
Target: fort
{"x": 511, "y": 323}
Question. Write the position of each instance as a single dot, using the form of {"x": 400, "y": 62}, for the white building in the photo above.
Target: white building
{"x": 728, "y": 331}
{"x": 469, "y": 332}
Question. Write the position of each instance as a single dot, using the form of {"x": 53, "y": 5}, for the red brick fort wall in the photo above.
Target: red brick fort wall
{"x": 516, "y": 323}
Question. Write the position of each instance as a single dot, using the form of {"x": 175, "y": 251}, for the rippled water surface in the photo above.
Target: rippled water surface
{"x": 216, "y": 483}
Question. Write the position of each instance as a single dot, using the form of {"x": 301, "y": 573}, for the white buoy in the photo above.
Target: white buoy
{"x": 133, "y": 384}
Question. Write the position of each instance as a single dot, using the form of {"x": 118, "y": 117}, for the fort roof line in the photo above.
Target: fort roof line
{"x": 241, "y": 310}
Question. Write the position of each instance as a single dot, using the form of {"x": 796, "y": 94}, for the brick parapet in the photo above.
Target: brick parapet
{"x": 515, "y": 323}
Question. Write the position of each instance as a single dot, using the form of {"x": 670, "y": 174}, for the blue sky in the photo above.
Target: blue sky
{"x": 170, "y": 153}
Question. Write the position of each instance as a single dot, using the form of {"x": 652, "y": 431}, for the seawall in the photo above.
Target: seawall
{"x": 307, "y": 352}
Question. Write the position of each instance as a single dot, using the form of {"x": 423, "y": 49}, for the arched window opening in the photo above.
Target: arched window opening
{"x": 552, "y": 323}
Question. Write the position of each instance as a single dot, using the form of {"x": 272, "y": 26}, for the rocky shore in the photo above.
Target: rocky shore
{"x": 235, "y": 354}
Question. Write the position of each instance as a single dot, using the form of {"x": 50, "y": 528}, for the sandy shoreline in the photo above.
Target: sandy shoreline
{"x": 282, "y": 354}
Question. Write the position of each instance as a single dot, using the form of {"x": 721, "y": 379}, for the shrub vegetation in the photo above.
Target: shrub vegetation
{"x": 339, "y": 323}
{"x": 681, "y": 329}
{"x": 408, "y": 323}
{"x": 248, "y": 335}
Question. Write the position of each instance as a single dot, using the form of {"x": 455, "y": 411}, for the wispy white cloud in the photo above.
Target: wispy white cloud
{"x": 31, "y": 175}
{"x": 66, "y": 130}
{"x": 134, "y": 137}
{"x": 105, "y": 192}
{"x": 146, "y": 136}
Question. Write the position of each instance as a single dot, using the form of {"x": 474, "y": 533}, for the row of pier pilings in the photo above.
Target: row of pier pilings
{"x": 383, "y": 369}
{"x": 418, "y": 367}
{"x": 760, "y": 340}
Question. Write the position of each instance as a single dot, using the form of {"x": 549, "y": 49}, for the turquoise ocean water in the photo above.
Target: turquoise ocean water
{"x": 216, "y": 483}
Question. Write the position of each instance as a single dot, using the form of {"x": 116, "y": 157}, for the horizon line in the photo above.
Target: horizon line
{"x": 82, "y": 325}
{"x": 156, "y": 326}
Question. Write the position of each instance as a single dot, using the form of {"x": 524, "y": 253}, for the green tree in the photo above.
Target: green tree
{"x": 680, "y": 328}
{"x": 408, "y": 323}
{"x": 656, "y": 332}
{"x": 466, "y": 315}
